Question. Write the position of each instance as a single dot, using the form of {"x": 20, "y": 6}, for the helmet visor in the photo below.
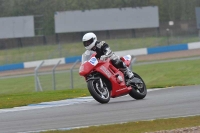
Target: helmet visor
{"x": 87, "y": 43}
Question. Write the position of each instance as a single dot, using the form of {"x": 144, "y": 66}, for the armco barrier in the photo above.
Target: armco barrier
{"x": 12, "y": 67}
{"x": 46, "y": 63}
{"x": 170, "y": 48}
{"x": 141, "y": 51}
{"x": 72, "y": 59}
{"x": 194, "y": 45}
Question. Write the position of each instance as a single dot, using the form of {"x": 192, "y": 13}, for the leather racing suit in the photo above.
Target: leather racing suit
{"x": 102, "y": 48}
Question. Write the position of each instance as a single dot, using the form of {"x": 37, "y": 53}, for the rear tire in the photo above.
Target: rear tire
{"x": 138, "y": 91}
{"x": 102, "y": 95}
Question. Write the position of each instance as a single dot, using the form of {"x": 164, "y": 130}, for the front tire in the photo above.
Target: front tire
{"x": 102, "y": 95}
{"x": 138, "y": 91}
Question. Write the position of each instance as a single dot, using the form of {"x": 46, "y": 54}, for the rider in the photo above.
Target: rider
{"x": 90, "y": 42}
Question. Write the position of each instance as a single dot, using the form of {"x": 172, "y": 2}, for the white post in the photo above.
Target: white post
{"x": 71, "y": 74}
{"x": 37, "y": 85}
{"x": 53, "y": 75}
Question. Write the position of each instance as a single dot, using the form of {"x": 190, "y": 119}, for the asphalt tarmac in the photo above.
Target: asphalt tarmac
{"x": 66, "y": 114}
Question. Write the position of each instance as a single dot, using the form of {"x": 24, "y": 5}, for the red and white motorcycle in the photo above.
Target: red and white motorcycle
{"x": 105, "y": 81}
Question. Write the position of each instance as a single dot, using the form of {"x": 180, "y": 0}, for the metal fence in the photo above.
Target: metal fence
{"x": 62, "y": 79}
{"x": 53, "y": 79}
{"x": 44, "y": 78}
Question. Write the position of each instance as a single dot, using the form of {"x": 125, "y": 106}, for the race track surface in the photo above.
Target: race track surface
{"x": 163, "y": 103}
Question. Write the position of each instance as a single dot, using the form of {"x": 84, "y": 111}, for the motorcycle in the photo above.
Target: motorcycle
{"x": 104, "y": 81}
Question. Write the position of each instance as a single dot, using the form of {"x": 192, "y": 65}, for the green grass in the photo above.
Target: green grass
{"x": 168, "y": 74}
{"x": 17, "y": 85}
{"x": 13, "y": 91}
{"x": 139, "y": 126}
{"x": 22, "y": 99}
{"x": 42, "y": 52}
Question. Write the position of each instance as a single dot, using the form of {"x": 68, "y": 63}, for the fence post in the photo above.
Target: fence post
{"x": 37, "y": 85}
{"x": 71, "y": 73}
{"x": 53, "y": 75}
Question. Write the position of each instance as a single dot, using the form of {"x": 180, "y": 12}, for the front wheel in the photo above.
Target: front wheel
{"x": 139, "y": 90}
{"x": 99, "y": 90}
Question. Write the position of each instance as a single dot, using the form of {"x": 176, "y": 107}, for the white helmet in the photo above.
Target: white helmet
{"x": 89, "y": 40}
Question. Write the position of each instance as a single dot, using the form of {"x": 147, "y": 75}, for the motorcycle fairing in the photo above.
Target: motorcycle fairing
{"x": 86, "y": 68}
{"x": 111, "y": 73}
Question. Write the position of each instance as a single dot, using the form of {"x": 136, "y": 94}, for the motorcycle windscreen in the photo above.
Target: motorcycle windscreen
{"x": 87, "y": 55}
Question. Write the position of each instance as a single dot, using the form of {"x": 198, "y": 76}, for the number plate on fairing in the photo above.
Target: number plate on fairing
{"x": 93, "y": 61}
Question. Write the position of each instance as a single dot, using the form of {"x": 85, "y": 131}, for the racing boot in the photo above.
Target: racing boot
{"x": 132, "y": 81}
{"x": 129, "y": 76}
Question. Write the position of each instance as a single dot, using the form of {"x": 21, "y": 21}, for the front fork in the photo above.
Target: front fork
{"x": 101, "y": 83}
{"x": 97, "y": 78}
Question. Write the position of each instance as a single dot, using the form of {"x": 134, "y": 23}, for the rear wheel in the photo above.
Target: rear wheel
{"x": 99, "y": 90}
{"x": 139, "y": 90}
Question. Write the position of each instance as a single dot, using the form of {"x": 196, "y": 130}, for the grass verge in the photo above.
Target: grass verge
{"x": 22, "y": 99}
{"x": 139, "y": 126}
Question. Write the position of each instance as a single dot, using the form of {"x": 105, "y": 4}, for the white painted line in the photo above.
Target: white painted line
{"x": 49, "y": 104}
{"x": 57, "y": 103}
